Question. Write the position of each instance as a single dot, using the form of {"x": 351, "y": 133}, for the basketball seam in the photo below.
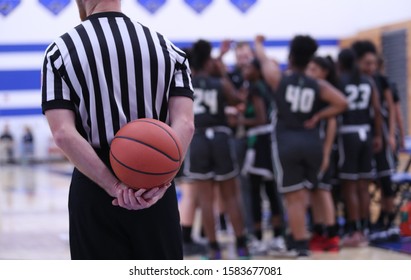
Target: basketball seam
{"x": 172, "y": 137}
{"x": 148, "y": 145}
{"x": 139, "y": 171}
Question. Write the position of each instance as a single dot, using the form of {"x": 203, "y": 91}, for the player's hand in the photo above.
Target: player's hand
{"x": 325, "y": 164}
{"x": 312, "y": 123}
{"x": 402, "y": 143}
{"x": 377, "y": 144}
{"x": 392, "y": 143}
{"x": 225, "y": 47}
{"x": 259, "y": 39}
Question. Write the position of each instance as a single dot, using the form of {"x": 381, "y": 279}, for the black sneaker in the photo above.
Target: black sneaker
{"x": 303, "y": 253}
{"x": 212, "y": 254}
{"x": 193, "y": 248}
{"x": 243, "y": 253}
{"x": 393, "y": 234}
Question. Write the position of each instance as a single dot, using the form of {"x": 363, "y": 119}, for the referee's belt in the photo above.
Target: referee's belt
{"x": 210, "y": 131}
{"x": 260, "y": 130}
{"x": 362, "y": 130}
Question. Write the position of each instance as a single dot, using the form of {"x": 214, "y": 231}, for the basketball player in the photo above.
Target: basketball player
{"x": 367, "y": 60}
{"x": 100, "y": 75}
{"x": 258, "y": 165}
{"x": 210, "y": 159}
{"x": 297, "y": 145}
{"x": 356, "y": 142}
{"x": 243, "y": 56}
{"x": 325, "y": 232}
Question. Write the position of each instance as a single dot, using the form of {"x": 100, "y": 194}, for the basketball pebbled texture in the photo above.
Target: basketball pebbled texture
{"x": 145, "y": 153}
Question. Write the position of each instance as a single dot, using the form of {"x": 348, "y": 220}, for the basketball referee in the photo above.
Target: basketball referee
{"x": 102, "y": 74}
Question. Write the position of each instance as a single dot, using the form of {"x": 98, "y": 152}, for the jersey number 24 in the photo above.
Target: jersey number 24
{"x": 205, "y": 100}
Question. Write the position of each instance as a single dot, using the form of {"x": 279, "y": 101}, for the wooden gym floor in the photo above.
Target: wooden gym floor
{"x": 34, "y": 219}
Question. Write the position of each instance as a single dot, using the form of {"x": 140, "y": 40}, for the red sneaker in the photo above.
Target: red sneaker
{"x": 332, "y": 244}
{"x": 317, "y": 243}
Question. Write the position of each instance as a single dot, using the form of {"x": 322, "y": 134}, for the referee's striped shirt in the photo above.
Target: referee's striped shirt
{"x": 111, "y": 70}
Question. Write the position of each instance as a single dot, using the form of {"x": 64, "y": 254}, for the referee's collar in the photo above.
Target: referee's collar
{"x": 106, "y": 14}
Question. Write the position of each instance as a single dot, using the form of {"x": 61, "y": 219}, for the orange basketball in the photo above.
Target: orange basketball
{"x": 145, "y": 153}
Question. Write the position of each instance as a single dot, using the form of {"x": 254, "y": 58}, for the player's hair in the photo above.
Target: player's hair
{"x": 200, "y": 54}
{"x": 347, "y": 63}
{"x": 363, "y": 47}
{"x": 187, "y": 51}
{"x": 327, "y": 64}
{"x": 302, "y": 48}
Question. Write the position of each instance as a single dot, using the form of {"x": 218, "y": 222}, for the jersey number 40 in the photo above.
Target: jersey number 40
{"x": 301, "y": 99}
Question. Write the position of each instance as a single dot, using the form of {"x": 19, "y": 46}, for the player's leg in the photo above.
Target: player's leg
{"x": 221, "y": 210}
{"x": 292, "y": 183}
{"x": 229, "y": 193}
{"x": 226, "y": 170}
{"x": 277, "y": 244}
{"x": 188, "y": 206}
{"x": 206, "y": 192}
{"x": 350, "y": 152}
{"x": 325, "y": 228}
{"x": 297, "y": 205}
{"x": 385, "y": 168}
{"x": 384, "y": 229}
{"x": 256, "y": 246}
{"x": 198, "y": 167}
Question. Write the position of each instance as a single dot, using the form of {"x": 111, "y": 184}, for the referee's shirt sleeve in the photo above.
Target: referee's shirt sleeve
{"x": 181, "y": 80}
{"x": 54, "y": 90}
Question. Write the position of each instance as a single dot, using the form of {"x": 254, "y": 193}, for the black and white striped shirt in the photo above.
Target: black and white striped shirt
{"x": 111, "y": 70}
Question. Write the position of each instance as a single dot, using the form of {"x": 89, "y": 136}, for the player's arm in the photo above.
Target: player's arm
{"x": 328, "y": 142}
{"x": 400, "y": 124}
{"x": 336, "y": 100}
{"x": 260, "y": 113}
{"x": 270, "y": 70}
{"x": 182, "y": 119}
{"x": 391, "y": 117}
{"x": 231, "y": 94}
{"x": 224, "y": 48}
{"x": 375, "y": 103}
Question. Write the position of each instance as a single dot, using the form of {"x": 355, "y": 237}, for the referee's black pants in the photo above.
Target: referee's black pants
{"x": 101, "y": 231}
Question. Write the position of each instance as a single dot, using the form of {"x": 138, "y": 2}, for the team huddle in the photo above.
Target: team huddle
{"x": 315, "y": 134}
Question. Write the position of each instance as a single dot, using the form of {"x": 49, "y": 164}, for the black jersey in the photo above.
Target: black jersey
{"x": 382, "y": 84}
{"x": 259, "y": 89}
{"x": 395, "y": 93}
{"x": 236, "y": 77}
{"x": 297, "y": 100}
{"x": 209, "y": 102}
{"x": 358, "y": 95}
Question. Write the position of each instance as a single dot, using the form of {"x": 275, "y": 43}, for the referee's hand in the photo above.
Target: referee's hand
{"x": 132, "y": 199}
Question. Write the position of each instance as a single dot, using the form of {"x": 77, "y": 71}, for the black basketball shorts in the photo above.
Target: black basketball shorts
{"x": 211, "y": 155}
{"x": 355, "y": 155}
{"x": 297, "y": 156}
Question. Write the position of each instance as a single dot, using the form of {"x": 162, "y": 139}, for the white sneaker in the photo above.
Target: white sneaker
{"x": 257, "y": 247}
{"x": 278, "y": 243}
